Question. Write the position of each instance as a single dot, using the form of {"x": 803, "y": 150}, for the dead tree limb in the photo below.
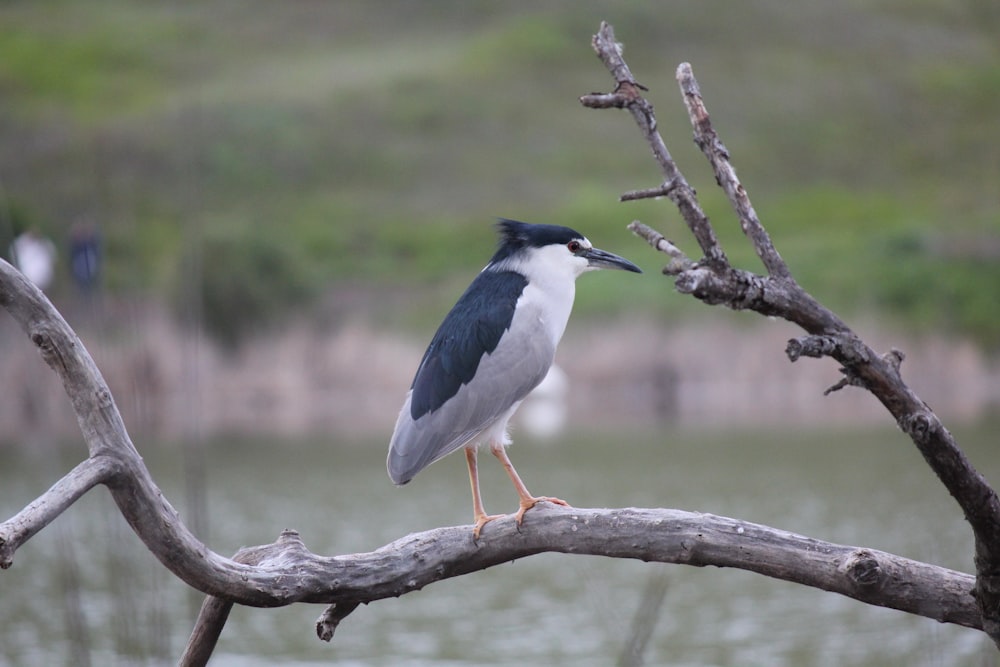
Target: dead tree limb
{"x": 714, "y": 281}
{"x": 286, "y": 572}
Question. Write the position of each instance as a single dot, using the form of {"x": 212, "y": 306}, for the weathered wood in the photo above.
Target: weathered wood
{"x": 777, "y": 294}
{"x": 287, "y": 572}
{"x": 215, "y": 611}
{"x": 207, "y": 629}
{"x": 25, "y": 524}
{"x": 628, "y": 95}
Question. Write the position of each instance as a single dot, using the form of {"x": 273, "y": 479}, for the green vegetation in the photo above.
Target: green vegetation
{"x": 243, "y": 159}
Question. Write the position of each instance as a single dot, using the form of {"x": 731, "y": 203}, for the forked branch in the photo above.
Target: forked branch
{"x": 714, "y": 281}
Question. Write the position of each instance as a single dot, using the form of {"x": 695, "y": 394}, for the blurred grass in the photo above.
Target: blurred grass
{"x": 371, "y": 146}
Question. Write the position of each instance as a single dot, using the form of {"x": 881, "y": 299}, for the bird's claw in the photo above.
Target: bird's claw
{"x": 482, "y": 520}
{"x": 528, "y": 503}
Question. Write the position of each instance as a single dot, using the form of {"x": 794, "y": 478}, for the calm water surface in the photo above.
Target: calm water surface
{"x": 84, "y": 591}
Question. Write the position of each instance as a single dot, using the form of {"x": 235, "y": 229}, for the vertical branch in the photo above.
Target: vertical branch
{"x": 628, "y": 95}
{"x": 718, "y": 156}
{"x": 207, "y": 630}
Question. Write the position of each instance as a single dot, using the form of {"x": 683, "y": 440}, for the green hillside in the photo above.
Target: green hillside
{"x": 252, "y": 157}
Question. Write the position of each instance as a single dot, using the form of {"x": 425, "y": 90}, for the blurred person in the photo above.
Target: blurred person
{"x": 35, "y": 257}
{"x": 85, "y": 256}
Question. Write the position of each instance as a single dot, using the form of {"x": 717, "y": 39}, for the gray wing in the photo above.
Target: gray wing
{"x": 504, "y": 377}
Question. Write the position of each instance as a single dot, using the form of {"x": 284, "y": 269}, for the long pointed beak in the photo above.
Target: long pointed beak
{"x": 600, "y": 259}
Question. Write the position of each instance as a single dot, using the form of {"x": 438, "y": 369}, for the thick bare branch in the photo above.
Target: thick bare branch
{"x": 286, "y": 572}
{"x": 660, "y": 535}
{"x": 714, "y": 281}
{"x": 138, "y": 498}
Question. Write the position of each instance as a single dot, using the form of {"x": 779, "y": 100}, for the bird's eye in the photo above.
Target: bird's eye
{"x": 574, "y": 247}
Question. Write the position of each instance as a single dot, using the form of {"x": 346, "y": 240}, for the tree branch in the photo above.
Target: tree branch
{"x": 710, "y": 144}
{"x": 628, "y": 95}
{"x": 714, "y": 281}
{"x": 22, "y": 527}
{"x": 114, "y": 462}
{"x": 215, "y": 610}
{"x": 286, "y": 572}
{"x": 659, "y": 535}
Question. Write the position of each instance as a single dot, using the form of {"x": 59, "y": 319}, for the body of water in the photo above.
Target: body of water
{"x": 85, "y": 591}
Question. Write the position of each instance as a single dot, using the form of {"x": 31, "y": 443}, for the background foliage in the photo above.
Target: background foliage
{"x": 244, "y": 159}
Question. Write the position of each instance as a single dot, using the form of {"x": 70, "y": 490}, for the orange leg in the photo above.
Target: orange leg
{"x": 479, "y": 514}
{"x": 527, "y": 501}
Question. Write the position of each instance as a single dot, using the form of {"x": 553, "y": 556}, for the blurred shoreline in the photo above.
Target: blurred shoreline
{"x": 351, "y": 378}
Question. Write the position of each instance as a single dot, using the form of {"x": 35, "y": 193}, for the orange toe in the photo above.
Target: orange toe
{"x": 481, "y": 521}
{"x": 527, "y": 504}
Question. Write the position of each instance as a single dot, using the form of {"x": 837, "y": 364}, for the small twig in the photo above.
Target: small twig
{"x": 679, "y": 262}
{"x": 604, "y": 101}
{"x": 649, "y": 193}
{"x": 894, "y": 358}
{"x": 848, "y": 380}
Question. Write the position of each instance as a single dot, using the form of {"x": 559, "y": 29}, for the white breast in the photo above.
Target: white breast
{"x": 549, "y": 305}
{"x": 551, "y": 289}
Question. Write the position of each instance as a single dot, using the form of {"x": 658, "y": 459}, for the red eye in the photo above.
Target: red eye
{"x": 574, "y": 246}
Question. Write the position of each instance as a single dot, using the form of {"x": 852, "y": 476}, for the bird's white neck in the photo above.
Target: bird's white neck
{"x": 551, "y": 286}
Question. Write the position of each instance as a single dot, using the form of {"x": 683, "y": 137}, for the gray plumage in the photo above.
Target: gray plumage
{"x": 515, "y": 367}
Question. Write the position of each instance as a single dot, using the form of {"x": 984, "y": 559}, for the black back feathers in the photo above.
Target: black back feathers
{"x": 472, "y": 328}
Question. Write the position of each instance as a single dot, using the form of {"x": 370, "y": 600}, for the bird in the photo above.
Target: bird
{"x": 495, "y": 345}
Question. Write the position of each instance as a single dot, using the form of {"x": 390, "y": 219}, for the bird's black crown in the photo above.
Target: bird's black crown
{"x": 516, "y": 236}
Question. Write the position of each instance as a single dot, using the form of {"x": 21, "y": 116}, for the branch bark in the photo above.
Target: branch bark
{"x": 776, "y": 294}
{"x": 286, "y": 572}
{"x": 25, "y": 524}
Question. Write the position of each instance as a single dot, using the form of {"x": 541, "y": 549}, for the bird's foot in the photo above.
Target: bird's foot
{"x": 482, "y": 520}
{"x": 528, "y": 503}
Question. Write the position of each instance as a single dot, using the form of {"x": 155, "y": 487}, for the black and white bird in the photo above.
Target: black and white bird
{"x": 493, "y": 348}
